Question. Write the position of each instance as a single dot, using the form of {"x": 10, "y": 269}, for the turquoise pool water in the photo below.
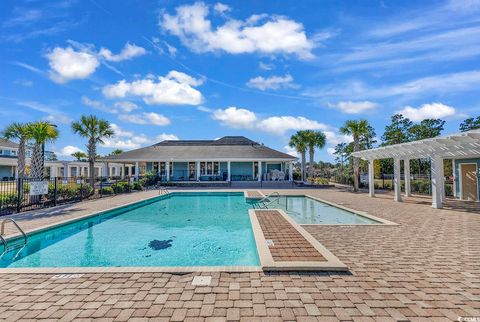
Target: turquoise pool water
{"x": 187, "y": 229}
{"x": 306, "y": 211}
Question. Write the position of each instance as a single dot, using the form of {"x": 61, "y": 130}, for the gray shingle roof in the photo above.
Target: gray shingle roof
{"x": 4, "y": 143}
{"x": 225, "y": 148}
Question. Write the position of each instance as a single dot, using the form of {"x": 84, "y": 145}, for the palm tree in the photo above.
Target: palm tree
{"x": 298, "y": 141}
{"x": 95, "y": 130}
{"x": 41, "y": 132}
{"x": 79, "y": 155}
{"x": 358, "y": 130}
{"x": 116, "y": 152}
{"x": 315, "y": 139}
{"x": 18, "y": 131}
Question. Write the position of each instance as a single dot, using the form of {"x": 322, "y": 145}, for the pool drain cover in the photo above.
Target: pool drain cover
{"x": 201, "y": 280}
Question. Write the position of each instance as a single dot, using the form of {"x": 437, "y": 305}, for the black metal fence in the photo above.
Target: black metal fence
{"x": 16, "y": 195}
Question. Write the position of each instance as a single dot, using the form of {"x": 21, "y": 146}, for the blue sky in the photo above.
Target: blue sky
{"x": 201, "y": 70}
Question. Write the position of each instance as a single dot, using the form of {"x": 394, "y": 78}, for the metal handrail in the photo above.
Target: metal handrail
{"x": 164, "y": 190}
{"x": 25, "y": 237}
{"x": 263, "y": 202}
{"x": 5, "y": 246}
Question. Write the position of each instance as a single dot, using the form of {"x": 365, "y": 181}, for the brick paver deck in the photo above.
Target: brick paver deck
{"x": 425, "y": 269}
{"x": 288, "y": 244}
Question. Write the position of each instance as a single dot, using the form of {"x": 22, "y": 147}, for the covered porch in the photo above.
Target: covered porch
{"x": 461, "y": 148}
{"x": 218, "y": 170}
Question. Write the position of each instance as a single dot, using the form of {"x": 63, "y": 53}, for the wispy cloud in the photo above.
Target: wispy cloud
{"x": 53, "y": 115}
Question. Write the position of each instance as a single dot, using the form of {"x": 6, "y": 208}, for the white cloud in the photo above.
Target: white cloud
{"x": 272, "y": 82}
{"x": 291, "y": 151}
{"x": 331, "y": 151}
{"x": 259, "y": 33}
{"x": 265, "y": 66}
{"x": 126, "y": 106}
{"x": 174, "y": 89}
{"x": 129, "y": 51}
{"x": 165, "y": 136}
{"x": 145, "y": 118}
{"x": 235, "y": 117}
{"x": 68, "y": 150}
{"x": 123, "y": 139}
{"x": 53, "y": 115}
{"x": 204, "y": 109}
{"x": 67, "y": 64}
{"x": 427, "y": 111}
{"x": 281, "y": 124}
{"x": 350, "y": 107}
{"x": 221, "y": 8}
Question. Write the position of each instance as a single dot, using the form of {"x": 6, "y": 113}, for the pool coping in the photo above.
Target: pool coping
{"x": 331, "y": 263}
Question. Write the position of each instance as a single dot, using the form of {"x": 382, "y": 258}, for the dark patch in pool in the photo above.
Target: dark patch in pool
{"x": 160, "y": 244}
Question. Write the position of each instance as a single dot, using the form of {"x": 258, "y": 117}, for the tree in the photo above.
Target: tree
{"x": 18, "y": 131}
{"x": 470, "y": 124}
{"x": 298, "y": 141}
{"x": 116, "y": 152}
{"x": 314, "y": 139}
{"x": 79, "y": 155}
{"x": 41, "y": 132}
{"x": 95, "y": 130}
{"x": 359, "y": 130}
{"x": 427, "y": 128}
{"x": 398, "y": 131}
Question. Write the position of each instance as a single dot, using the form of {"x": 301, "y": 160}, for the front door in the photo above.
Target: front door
{"x": 469, "y": 182}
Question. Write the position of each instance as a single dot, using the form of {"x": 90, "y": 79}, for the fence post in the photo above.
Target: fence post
{"x": 101, "y": 186}
{"x": 55, "y": 192}
{"x": 19, "y": 193}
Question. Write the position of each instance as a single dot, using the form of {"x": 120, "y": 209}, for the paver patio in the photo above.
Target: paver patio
{"x": 427, "y": 268}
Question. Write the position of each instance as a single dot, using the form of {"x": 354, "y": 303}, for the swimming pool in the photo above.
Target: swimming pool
{"x": 187, "y": 229}
{"x": 309, "y": 211}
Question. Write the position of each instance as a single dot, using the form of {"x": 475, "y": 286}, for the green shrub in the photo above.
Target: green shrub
{"x": 137, "y": 186}
{"x": 8, "y": 200}
{"x": 84, "y": 190}
{"x": 107, "y": 191}
{"x": 66, "y": 191}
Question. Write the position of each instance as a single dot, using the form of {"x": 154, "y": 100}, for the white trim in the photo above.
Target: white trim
{"x": 460, "y": 178}
{"x": 454, "y": 164}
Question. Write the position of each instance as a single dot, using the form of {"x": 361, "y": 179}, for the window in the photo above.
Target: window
{"x": 209, "y": 168}
{"x": 155, "y": 167}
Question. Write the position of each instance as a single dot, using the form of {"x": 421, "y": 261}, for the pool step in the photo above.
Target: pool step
{"x": 283, "y": 245}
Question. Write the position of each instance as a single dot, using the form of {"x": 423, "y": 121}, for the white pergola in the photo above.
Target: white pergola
{"x": 455, "y": 146}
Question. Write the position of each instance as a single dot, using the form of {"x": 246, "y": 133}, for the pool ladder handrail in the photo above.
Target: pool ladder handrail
{"x": 5, "y": 242}
{"x": 263, "y": 204}
{"x": 163, "y": 191}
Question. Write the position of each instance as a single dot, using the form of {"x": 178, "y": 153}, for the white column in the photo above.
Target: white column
{"x": 408, "y": 184}
{"x": 16, "y": 172}
{"x": 454, "y": 179}
{"x": 229, "y": 171}
{"x": 197, "y": 165}
{"x": 290, "y": 171}
{"x": 437, "y": 174}
{"x": 105, "y": 171}
{"x": 137, "y": 170}
{"x": 65, "y": 170}
{"x": 167, "y": 170}
{"x": 397, "y": 180}
{"x": 259, "y": 170}
{"x": 371, "y": 178}
{"x": 53, "y": 171}
{"x": 123, "y": 171}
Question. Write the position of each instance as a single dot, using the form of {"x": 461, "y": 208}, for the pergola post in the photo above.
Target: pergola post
{"x": 408, "y": 184}
{"x": 397, "y": 180}
{"x": 437, "y": 181}
{"x": 371, "y": 178}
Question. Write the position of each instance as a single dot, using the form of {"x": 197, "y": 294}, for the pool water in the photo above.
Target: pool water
{"x": 305, "y": 210}
{"x": 187, "y": 229}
